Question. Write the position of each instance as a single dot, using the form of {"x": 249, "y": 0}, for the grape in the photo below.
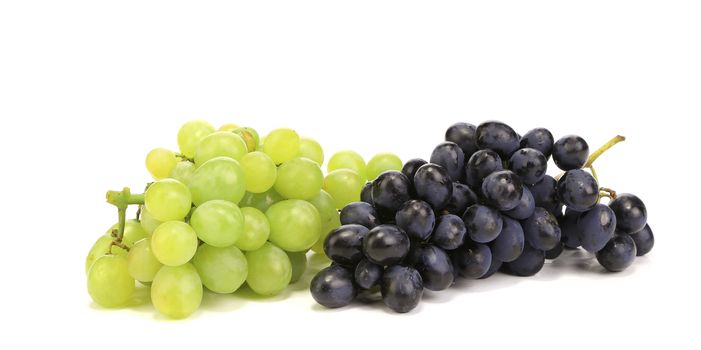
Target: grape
{"x": 449, "y": 233}
{"x": 360, "y": 213}
{"x": 618, "y": 253}
{"x": 483, "y": 223}
{"x": 168, "y": 200}
{"x": 141, "y": 262}
{"x": 503, "y": 189}
{"x": 333, "y": 287}
{"x": 299, "y": 178}
{"x": 416, "y": 218}
{"x": 596, "y": 227}
{"x": 451, "y": 157}
{"x": 390, "y": 190}
{"x": 256, "y": 229}
{"x": 529, "y": 164}
{"x": 190, "y": 135}
{"x": 554, "y": 253}
{"x": 249, "y": 137}
{"x": 463, "y": 134}
{"x": 410, "y": 168}
{"x": 481, "y": 164}
{"x": 540, "y": 139}
{"x": 183, "y": 172}
{"x": 160, "y": 162}
{"x": 218, "y": 223}
{"x": 402, "y": 288}
{"x": 330, "y": 219}
{"x": 472, "y": 260}
{"x": 298, "y": 261}
{"x": 366, "y": 193}
{"x": 461, "y": 198}
{"x": 220, "y": 144}
{"x": 497, "y": 136}
{"x": 382, "y": 162}
{"x": 545, "y": 195}
{"x": 569, "y": 229}
{"x": 385, "y": 245}
{"x": 528, "y": 264}
{"x": 578, "y": 190}
{"x": 542, "y": 230}
{"x": 148, "y": 223}
{"x": 295, "y": 225}
{"x": 228, "y": 127}
{"x": 344, "y": 245}
{"x": 309, "y": 148}
{"x": 174, "y": 243}
{"x": 570, "y": 152}
{"x": 133, "y": 232}
{"x": 99, "y": 249}
{"x": 282, "y": 145}
{"x": 508, "y": 246}
{"x": 348, "y": 160}
{"x": 261, "y": 201}
{"x": 525, "y": 208}
{"x": 222, "y": 269}
{"x": 367, "y": 274}
{"x": 269, "y": 270}
{"x": 218, "y": 178}
{"x": 630, "y": 212}
{"x": 494, "y": 267}
{"x": 644, "y": 241}
{"x": 344, "y": 186}
{"x": 434, "y": 266}
{"x": 176, "y": 291}
{"x": 109, "y": 282}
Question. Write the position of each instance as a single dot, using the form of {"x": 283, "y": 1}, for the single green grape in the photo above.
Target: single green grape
{"x": 282, "y": 145}
{"x": 299, "y": 178}
{"x": 249, "y": 136}
{"x": 168, "y": 199}
{"x": 259, "y": 170}
{"x": 309, "y": 148}
{"x": 176, "y": 291}
{"x": 174, "y": 243}
{"x": 218, "y": 178}
{"x": 183, "y": 172}
{"x": 222, "y": 270}
{"x": 330, "y": 219}
{"x": 228, "y": 127}
{"x": 148, "y": 222}
{"x": 347, "y": 160}
{"x": 160, "y": 162}
{"x": 218, "y": 222}
{"x": 256, "y": 229}
{"x": 344, "y": 186}
{"x": 141, "y": 262}
{"x": 298, "y": 260}
{"x": 295, "y": 225}
{"x": 269, "y": 270}
{"x": 382, "y": 162}
{"x": 261, "y": 201}
{"x": 220, "y": 144}
{"x": 109, "y": 282}
{"x": 190, "y": 135}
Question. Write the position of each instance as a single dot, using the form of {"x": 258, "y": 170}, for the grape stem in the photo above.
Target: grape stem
{"x": 603, "y": 149}
{"x": 184, "y": 157}
{"x": 607, "y": 192}
{"x": 122, "y": 199}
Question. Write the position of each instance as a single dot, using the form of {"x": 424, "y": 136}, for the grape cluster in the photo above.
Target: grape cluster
{"x": 481, "y": 204}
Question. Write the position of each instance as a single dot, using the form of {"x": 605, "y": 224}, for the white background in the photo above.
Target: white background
{"x": 88, "y": 87}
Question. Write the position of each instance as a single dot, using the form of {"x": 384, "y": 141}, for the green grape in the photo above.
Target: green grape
{"x": 228, "y": 127}
{"x": 218, "y": 222}
{"x": 309, "y": 148}
{"x": 260, "y": 172}
{"x": 222, "y": 270}
{"x": 344, "y": 185}
{"x": 174, "y": 243}
{"x": 183, "y": 172}
{"x": 249, "y": 136}
{"x": 330, "y": 219}
{"x": 281, "y": 145}
{"x": 176, "y": 291}
{"x": 295, "y": 225}
{"x": 148, "y": 222}
{"x": 347, "y": 160}
{"x": 220, "y": 144}
{"x": 99, "y": 249}
{"x": 256, "y": 229}
{"x": 160, "y": 162}
{"x": 133, "y": 232}
{"x": 299, "y": 178}
{"x": 167, "y": 200}
{"x": 261, "y": 201}
{"x": 190, "y": 135}
{"x": 218, "y": 178}
{"x": 141, "y": 262}
{"x": 269, "y": 270}
{"x": 109, "y": 282}
{"x": 382, "y": 162}
{"x": 298, "y": 260}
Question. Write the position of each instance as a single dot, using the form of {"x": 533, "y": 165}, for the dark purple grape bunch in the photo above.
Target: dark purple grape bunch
{"x": 482, "y": 204}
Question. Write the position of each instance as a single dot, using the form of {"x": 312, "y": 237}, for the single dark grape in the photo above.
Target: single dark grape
{"x": 644, "y": 240}
{"x": 509, "y": 244}
{"x": 530, "y": 164}
{"x": 333, "y": 287}
{"x": 409, "y": 170}
{"x": 528, "y": 264}
{"x": 390, "y": 190}
{"x": 493, "y": 268}
{"x": 472, "y": 260}
{"x": 360, "y": 213}
{"x": 462, "y": 197}
{"x": 449, "y": 233}
{"x": 433, "y": 185}
{"x": 525, "y": 207}
{"x": 578, "y": 190}
{"x": 483, "y": 223}
{"x": 503, "y": 189}
{"x": 570, "y": 152}
{"x": 631, "y": 213}
{"x": 366, "y": 194}
{"x": 433, "y": 264}
{"x": 463, "y": 134}
{"x": 569, "y": 229}
{"x": 596, "y": 227}
{"x": 545, "y": 195}
{"x": 386, "y": 245}
{"x": 498, "y": 137}
{"x": 416, "y": 218}
{"x": 618, "y": 254}
{"x": 554, "y": 253}
{"x": 542, "y": 230}
{"x": 402, "y": 288}
{"x": 481, "y": 164}
{"x": 367, "y": 274}
{"x": 451, "y": 158}
{"x": 344, "y": 245}
{"x": 540, "y": 139}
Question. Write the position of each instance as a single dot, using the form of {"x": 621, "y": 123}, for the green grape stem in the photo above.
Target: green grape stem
{"x": 184, "y": 158}
{"x": 603, "y": 149}
{"x": 122, "y": 199}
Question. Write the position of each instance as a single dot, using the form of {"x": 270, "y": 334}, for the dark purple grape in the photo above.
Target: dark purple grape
{"x": 449, "y": 233}
{"x": 410, "y": 168}
{"x": 483, "y": 223}
{"x": 542, "y": 230}
{"x": 433, "y": 185}
{"x": 509, "y": 244}
{"x": 644, "y": 240}
{"x": 540, "y": 139}
{"x": 462, "y": 197}
{"x": 525, "y": 207}
{"x": 333, "y": 287}
{"x": 367, "y": 274}
{"x": 463, "y": 134}
{"x": 481, "y": 164}
{"x": 416, "y": 218}
{"x": 631, "y": 213}
{"x": 360, "y": 213}
{"x": 402, "y": 288}
{"x": 530, "y": 164}
{"x": 390, "y": 190}
{"x": 618, "y": 254}
{"x": 366, "y": 193}
{"x": 568, "y": 228}
{"x": 545, "y": 195}
{"x": 596, "y": 227}
{"x": 451, "y": 158}
{"x": 498, "y": 137}
{"x": 434, "y": 265}
{"x": 472, "y": 260}
{"x": 344, "y": 244}
{"x": 493, "y": 268}
{"x": 503, "y": 189}
{"x": 528, "y": 264}
{"x": 554, "y": 253}
{"x": 386, "y": 245}
{"x": 578, "y": 190}
{"x": 570, "y": 152}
